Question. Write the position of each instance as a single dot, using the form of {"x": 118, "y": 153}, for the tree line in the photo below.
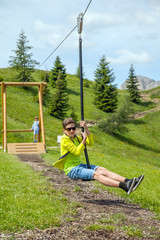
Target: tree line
{"x": 106, "y": 92}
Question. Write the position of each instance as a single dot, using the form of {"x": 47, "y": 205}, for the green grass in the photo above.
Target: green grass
{"x": 133, "y": 231}
{"x": 27, "y": 199}
{"x": 113, "y": 218}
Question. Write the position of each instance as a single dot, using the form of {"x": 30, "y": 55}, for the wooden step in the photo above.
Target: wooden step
{"x": 26, "y": 148}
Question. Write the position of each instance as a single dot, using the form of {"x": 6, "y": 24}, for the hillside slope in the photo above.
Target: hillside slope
{"x": 22, "y": 108}
{"x": 130, "y": 155}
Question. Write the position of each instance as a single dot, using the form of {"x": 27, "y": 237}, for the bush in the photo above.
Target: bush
{"x": 74, "y": 115}
{"x": 86, "y": 83}
{"x": 116, "y": 122}
{"x": 1, "y": 79}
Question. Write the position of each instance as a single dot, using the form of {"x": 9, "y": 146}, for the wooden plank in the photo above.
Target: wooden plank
{"x": 41, "y": 114}
{"x": 2, "y": 90}
{"x": 26, "y": 148}
{"x": 5, "y": 118}
{"x": 23, "y": 84}
{"x": 39, "y": 97}
{"x": 20, "y": 130}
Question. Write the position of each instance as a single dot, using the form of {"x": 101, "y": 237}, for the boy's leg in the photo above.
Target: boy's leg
{"x": 105, "y": 180}
{"x": 36, "y": 137}
{"x": 111, "y": 175}
{"x": 126, "y": 186}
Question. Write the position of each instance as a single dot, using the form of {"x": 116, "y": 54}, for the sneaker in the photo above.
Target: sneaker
{"x": 130, "y": 185}
{"x": 138, "y": 181}
{"x": 34, "y": 141}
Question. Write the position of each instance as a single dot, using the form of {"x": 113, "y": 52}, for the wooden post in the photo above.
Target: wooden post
{"x": 2, "y": 90}
{"x": 39, "y": 94}
{"x": 5, "y": 118}
{"x": 41, "y": 114}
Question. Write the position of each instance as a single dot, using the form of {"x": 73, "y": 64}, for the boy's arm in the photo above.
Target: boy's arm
{"x": 89, "y": 140}
{"x": 71, "y": 147}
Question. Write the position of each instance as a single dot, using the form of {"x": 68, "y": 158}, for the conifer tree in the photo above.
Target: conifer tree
{"x": 132, "y": 86}
{"x": 46, "y": 95}
{"x": 23, "y": 61}
{"x": 105, "y": 91}
{"x": 59, "y": 103}
{"x": 58, "y": 69}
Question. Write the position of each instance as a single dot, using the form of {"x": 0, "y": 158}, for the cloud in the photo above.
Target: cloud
{"x": 155, "y": 7}
{"x": 55, "y": 34}
{"x": 126, "y": 56}
{"x": 98, "y": 20}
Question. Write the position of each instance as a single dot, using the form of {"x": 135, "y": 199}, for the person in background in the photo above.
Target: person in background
{"x": 35, "y": 128}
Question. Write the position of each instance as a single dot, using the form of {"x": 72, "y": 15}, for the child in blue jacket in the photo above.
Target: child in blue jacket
{"x": 35, "y": 128}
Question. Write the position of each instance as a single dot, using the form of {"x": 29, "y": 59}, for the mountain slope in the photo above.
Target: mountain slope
{"x": 144, "y": 83}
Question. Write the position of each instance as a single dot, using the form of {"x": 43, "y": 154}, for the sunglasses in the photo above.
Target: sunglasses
{"x": 71, "y": 128}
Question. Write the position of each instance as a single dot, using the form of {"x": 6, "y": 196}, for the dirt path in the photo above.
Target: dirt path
{"x": 94, "y": 205}
{"x": 146, "y": 97}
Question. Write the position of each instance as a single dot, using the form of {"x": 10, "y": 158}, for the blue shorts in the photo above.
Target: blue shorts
{"x": 36, "y": 131}
{"x": 82, "y": 172}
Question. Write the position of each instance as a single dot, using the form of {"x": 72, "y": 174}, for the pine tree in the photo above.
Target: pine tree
{"x": 23, "y": 61}
{"x": 132, "y": 86}
{"x": 78, "y": 72}
{"x": 58, "y": 69}
{"x": 105, "y": 91}
{"x": 59, "y": 103}
{"x": 45, "y": 77}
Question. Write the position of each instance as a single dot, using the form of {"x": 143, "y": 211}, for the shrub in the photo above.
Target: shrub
{"x": 1, "y": 79}
{"x": 116, "y": 122}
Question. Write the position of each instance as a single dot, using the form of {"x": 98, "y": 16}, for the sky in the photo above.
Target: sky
{"x": 125, "y": 31}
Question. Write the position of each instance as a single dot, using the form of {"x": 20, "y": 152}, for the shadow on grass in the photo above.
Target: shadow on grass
{"x": 33, "y": 90}
{"x": 116, "y": 202}
{"x": 70, "y": 91}
{"x": 136, "y": 121}
{"x": 135, "y": 143}
{"x": 147, "y": 104}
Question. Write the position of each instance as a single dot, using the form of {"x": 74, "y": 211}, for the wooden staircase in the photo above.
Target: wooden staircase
{"x": 26, "y": 148}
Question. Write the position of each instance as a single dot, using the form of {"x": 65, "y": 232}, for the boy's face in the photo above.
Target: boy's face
{"x": 70, "y": 130}
{"x": 36, "y": 119}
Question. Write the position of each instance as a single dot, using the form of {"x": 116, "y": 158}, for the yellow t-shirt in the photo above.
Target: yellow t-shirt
{"x": 75, "y": 147}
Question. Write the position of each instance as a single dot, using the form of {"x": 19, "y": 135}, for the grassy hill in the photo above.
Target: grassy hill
{"x": 22, "y": 107}
{"x": 130, "y": 154}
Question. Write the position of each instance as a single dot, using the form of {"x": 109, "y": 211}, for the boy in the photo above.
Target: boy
{"x": 35, "y": 128}
{"x": 71, "y": 148}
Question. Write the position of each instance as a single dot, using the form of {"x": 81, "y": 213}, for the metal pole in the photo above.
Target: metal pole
{"x": 81, "y": 82}
{"x": 81, "y": 79}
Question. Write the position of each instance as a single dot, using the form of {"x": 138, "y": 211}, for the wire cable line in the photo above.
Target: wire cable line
{"x": 40, "y": 65}
{"x": 57, "y": 47}
{"x": 64, "y": 38}
{"x": 87, "y": 8}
